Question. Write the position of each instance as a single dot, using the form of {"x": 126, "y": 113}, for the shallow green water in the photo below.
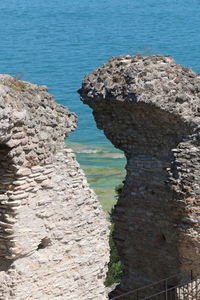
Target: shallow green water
{"x": 104, "y": 168}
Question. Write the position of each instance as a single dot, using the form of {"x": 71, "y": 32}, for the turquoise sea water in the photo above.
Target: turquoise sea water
{"x": 56, "y": 42}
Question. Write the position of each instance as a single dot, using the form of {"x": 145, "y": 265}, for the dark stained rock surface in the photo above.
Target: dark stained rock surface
{"x": 149, "y": 107}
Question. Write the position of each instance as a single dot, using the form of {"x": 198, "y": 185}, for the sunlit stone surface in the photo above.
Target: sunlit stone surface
{"x": 53, "y": 232}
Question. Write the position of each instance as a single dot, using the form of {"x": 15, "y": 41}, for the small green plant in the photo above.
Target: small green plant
{"x": 16, "y": 83}
{"x": 114, "y": 273}
{"x": 19, "y": 76}
{"x": 147, "y": 51}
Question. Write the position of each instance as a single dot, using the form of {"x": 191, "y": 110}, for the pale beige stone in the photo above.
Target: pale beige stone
{"x": 48, "y": 249}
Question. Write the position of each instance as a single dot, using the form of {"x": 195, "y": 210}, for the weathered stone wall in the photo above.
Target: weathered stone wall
{"x": 149, "y": 107}
{"x": 53, "y": 232}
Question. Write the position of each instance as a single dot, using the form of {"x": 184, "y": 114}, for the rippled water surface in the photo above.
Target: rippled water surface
{"x": 56, "y": 42}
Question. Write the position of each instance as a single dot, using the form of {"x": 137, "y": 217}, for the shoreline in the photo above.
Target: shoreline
{"x": 104, "y": 169}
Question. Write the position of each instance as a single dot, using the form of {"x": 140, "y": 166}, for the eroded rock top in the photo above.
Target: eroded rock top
{"x": 155, "y": 80}
{"x": 32, "y": 124}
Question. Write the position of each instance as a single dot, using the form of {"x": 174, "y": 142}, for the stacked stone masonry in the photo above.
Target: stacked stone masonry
{"x": 53, "y": 232}
{"x": 149, "y": 107}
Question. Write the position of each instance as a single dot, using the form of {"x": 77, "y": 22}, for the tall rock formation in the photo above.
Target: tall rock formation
{"x": 53, "y": 232}
{"x": 149, "y": 107}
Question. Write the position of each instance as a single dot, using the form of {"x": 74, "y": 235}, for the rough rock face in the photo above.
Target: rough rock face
{"x": 149, "y": 107}
{"x": 53, "y": 233}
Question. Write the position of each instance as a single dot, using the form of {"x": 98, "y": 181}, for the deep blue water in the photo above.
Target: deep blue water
{"x": 56, "y": 42}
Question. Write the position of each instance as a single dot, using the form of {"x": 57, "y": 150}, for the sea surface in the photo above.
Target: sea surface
{"x": 56, "y": 42}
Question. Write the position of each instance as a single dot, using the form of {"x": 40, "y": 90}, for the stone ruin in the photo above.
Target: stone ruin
{"x": 149, "y": 107}
{"x": 53, "y": 232}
